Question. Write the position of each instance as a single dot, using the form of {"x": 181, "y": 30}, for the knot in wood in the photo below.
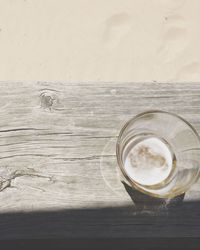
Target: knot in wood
{"x": 47, "y": 100}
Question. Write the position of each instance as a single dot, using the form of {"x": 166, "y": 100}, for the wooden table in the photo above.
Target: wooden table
{"x": 58, "y": 172}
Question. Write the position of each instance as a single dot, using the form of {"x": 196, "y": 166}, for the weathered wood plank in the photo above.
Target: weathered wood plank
{"x": 57, "y": 146}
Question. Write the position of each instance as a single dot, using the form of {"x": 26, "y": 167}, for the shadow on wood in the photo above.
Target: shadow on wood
{"x": 101, "y": 222}
{"x": 116, "y": 226}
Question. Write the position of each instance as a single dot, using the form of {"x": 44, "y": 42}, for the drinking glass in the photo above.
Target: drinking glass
{"x": 169, "y": 173}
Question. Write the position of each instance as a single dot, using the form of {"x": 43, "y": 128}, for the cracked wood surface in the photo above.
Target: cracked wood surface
{"x": 57, "y": 141}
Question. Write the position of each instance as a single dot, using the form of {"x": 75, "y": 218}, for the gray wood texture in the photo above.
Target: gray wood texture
{"x": 58, "y": 171}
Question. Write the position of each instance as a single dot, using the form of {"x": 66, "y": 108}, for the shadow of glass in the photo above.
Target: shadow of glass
{"x": 146, "y": 204}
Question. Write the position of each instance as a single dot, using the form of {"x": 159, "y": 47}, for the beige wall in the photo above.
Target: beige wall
{"x": 100, "y": 40}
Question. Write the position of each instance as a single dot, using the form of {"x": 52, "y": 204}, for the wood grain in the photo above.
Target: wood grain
{"x": 57, "y": 152}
